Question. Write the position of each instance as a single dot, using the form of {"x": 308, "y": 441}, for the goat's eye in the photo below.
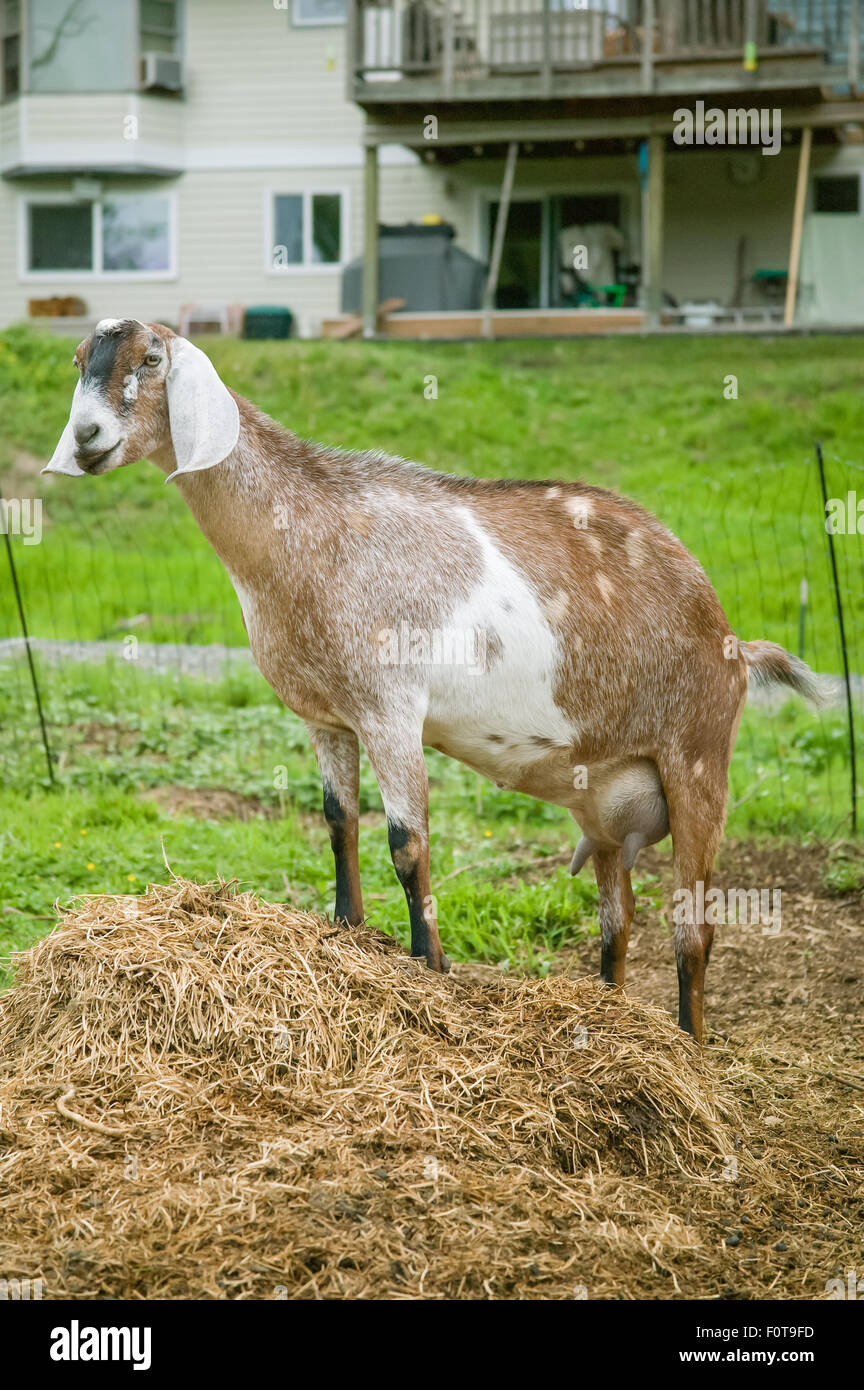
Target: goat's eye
{"x": 152, "y": 359}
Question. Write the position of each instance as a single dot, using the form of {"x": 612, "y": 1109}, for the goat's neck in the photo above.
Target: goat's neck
{"x": 239, "y": 502}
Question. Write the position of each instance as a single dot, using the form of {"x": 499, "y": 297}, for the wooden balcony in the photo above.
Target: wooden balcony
{"x": 491, "y": 52}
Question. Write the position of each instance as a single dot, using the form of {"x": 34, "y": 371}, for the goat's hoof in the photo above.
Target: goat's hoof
{"x": 440, "y": 963}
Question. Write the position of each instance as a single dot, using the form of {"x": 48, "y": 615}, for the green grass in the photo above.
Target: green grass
{"x": 735, "y": 478}
{"x": 97, "y": 832}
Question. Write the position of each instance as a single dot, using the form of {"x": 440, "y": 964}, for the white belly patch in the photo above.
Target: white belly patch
{"x": 497, "y": 712}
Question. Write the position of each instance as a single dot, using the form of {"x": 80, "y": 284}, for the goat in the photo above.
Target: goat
{"x": 610, "y": 681}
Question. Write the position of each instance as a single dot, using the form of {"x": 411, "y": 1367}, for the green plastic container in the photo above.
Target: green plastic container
{"x": 268, "y": 321}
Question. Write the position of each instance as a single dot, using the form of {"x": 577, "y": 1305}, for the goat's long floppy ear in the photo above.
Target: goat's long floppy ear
{"x": 202, "y": 413}
{"x": 63, "y": 458}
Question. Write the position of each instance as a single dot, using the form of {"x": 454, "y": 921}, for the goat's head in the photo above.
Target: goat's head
{"x": 142, "y": 388}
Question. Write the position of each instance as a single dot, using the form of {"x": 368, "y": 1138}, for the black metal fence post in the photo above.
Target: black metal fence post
{"x": 841, "y": 625}
{"x": 33, "y": 677}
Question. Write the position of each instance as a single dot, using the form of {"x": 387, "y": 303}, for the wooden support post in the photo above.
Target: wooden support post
{"x": 370, "y": 243}
{"x": 498, "y": 240}
{"x": 648, "y": 45}
{"x": 797, "y": 224}
{"x": 652, "y": 271}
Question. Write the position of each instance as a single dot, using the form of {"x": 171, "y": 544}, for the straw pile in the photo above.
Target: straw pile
{"x": 205, "y": 1095}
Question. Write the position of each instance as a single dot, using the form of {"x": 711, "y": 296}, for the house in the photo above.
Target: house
{"x": 157, "y": 154}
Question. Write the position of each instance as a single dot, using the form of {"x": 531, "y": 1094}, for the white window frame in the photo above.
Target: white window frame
{"x": 300, "y": 23}
{"x": 28, "y": 200}
{"x": 307, "y": 266}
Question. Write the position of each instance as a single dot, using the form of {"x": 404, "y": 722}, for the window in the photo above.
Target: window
{"x": 83, "y": 45}
{"x": 61, "y": 236}
{"x": 840, "y": 194}
{"x": 319, "y": 11}
{"x": 308, "y": 230}
{"x": 86, "y": 46}
{"x": 159, "y": 26}
{"x": 10, "y": 29}
{"x": 130, "y": 234}
{"x": 326, "y": 228}
{"x": 136, "y": 234}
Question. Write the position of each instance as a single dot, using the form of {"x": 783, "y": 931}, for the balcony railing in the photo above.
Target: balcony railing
{"x": 465, "y": 48}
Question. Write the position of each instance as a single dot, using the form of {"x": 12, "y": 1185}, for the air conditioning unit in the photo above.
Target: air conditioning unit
{"x": 161, "y": 70}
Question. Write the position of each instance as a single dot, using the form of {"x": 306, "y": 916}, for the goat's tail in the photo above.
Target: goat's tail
{"x": 770, "y": 664}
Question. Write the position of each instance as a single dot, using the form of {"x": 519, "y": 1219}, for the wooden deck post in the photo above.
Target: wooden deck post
{"x": 370, "y": 242}
{"x": 498, "y": 240}
{"x": 652, "y": 214}
{"x": 797, "y": 224}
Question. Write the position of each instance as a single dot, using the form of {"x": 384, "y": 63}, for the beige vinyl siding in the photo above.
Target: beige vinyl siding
{"x": 223, "y": 242}
{"x": 10, "y": 122}
{"x": 92, "y": 130}
{"x": 264, "y": 110}
{"x": 254, "y": 79}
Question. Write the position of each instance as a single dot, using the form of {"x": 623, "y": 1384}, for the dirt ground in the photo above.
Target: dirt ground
{"x": 798, "y": 993}
{"x": 785, "y": 1032}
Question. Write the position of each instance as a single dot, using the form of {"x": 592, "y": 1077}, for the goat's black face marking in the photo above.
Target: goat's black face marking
{"x": 102, "y": 356}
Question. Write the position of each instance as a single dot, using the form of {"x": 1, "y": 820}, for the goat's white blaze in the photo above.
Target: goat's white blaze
{"x": 489, "y": 714}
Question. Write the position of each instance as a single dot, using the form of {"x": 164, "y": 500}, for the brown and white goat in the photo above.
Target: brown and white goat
{"x": 609, "y": 681}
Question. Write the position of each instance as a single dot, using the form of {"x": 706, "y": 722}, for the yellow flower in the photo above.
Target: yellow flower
{"x": 56, "y": 844}
{"x": 131, "y": 878}
{"x": 488, "y": 834}
{"x": 83, "y": 832}
{"x": 91, "y": 866}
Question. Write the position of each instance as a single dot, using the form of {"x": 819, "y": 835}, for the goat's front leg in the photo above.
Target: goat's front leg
{"x": 338, "y": 754}
{"x": 398, "y": 762}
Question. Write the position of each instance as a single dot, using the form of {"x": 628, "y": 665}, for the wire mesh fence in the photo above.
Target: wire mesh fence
{"x": 132, "y": 621}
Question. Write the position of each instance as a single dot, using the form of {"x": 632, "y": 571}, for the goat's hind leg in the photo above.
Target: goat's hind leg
{"x": 697, "y": 810}
{"x": 615, "y": 913}
{"x": 338, "y": 754}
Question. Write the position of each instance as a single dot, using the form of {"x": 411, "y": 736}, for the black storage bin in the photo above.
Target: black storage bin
{"x": 267, "y": 321}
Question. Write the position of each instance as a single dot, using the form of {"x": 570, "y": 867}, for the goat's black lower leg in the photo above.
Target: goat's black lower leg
{"x": 344, "y": 832}
{"x": 338, "y": 754}
{"x": 410, "y": 853}
{"x": 396, "y": 754}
